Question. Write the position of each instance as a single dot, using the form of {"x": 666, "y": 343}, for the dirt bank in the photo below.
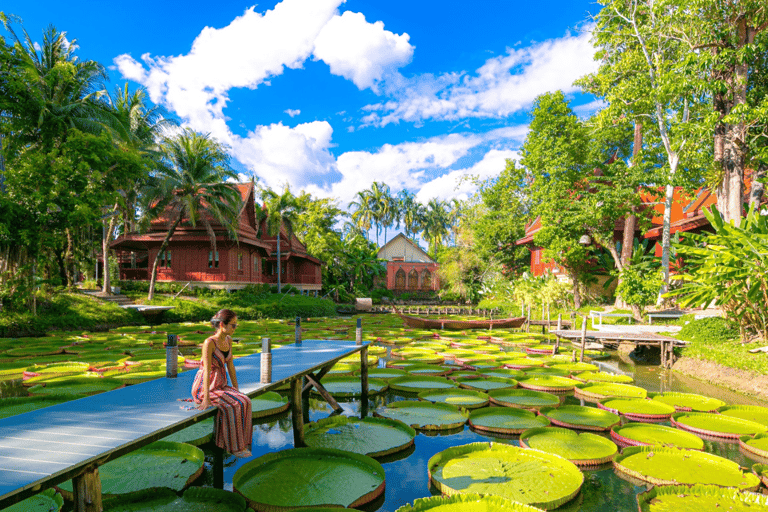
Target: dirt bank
{"x": 743, "y": 381}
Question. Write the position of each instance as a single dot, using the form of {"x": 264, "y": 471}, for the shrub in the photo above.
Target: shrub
{"x": 708, "y": 330}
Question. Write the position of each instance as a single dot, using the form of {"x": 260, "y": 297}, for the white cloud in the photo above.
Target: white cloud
{"x": 590, "y": 108}
{"x": 360, "y": 51}
{"x": 292, "y": 112}
{"x": 503, "y": 85}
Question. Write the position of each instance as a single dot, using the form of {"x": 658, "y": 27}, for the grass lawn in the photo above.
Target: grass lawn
{"x": 730, "y": 353}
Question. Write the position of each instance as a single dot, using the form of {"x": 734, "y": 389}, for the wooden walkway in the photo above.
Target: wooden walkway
{"x": 43, "y": 448}
{"x": 665, "y": 343}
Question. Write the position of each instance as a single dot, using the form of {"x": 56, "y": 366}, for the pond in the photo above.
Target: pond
{"x": 406, "y": 473}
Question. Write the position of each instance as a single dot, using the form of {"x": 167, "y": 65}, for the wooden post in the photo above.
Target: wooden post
{"x": 86, "y": 488}
{"x": 559, "y": 322}
{"x": 297, "y": 414}
{"x": 528, "y": 323}
{"x": 298, "y": 330}
{"x": 314, "y": 381}
{"x": 172, "y": 356}
{"x": 364, "y": 382}
{"x": 663, "y": 353}
{"x": 218, "y": 467}
{"x": 266, "y": 361}
{"x": 583, "y": 339}
{"x": 359, "y": 332}
{"x": 557, "y": 346}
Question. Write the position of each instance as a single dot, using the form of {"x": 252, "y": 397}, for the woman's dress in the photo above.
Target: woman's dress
{"x": 234, "y": 424}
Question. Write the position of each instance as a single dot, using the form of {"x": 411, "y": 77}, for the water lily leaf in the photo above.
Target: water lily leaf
{"x": 717, "y": 425}
{"x": 348, "y": 387}
{"x": 685, "y": 402}
{"x": 487, "y": 384}
{"x": 506, "y": 373}
{"x": 47, "y": 501}
{"x": 580, "y": 417}
{"x": 603, "y": 377}
{"x": 160, "y": 464}
{"x": 306, "y": 477}
{"x": 466, "y": 398}
{"x": 468, "y": 502}
{"x": 425, "y": 415}
{"x": 601, "y": 390}
{"x": 197, "y": 434}
{"x": 525, "y": 476}
{"x": 539, "y": 349}
{"x": 673, "y": 466}
{"x": 545, "y": 370}
{"x": 419, "y": 383}
{"x": 576, "y": 367}
{"x": 761, "y": 470}
{"x": 643, "y": 434}
{"x": 375, "y": 437}
{"x": 194, "y": 499}
{"x": 638, "y": 409}
{"x": 583, "y": 449}
{"x": 746, "y": 412}
{"x": 520, "y": 363}
{"x": 269, "y": 403}
{"x": 428, "y": 369}
{"x": 18, "y": 405}
{"x": 505, "y": 420}
{"x": 678, "y": 498}
{"x": 75, "y": 386}
{"x": 548, "y": 383}
{"x": 523, "y": 398}
{"x": 757, "y": 445}
{"x": 384, "y": 373}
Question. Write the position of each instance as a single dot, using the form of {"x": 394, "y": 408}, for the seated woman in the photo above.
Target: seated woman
{"x": 234, "y": 425}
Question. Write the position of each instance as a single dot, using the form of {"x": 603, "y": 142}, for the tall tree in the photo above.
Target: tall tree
{"x": 437, "y": 224}
{"x": 382, "y": 206}
{"x": 411, "y": 211}
{"x": 363, "y": 214}
{"x": 282, "y": 213}
{"x": 191, "y": 187}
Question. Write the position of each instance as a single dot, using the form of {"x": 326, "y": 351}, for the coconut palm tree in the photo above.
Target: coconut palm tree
{"x": 363, "y": 215}
{"x": 191, "y": 186}
{"x": 436, "y": 224}
{"x": 411, "y": 211}
{"x": 381, "y": 204}
{"x": 282, "y": 213}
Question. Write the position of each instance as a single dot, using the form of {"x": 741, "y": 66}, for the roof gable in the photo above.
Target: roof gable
{"x": 401, "y": 247}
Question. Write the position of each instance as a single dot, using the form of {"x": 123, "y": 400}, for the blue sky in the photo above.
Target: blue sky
{"x": 327, "y": 95}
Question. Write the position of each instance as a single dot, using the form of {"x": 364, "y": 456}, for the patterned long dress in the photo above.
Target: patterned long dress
{"x": 234, "y": 424}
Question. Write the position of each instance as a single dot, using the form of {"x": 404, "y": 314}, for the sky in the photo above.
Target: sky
{"x": 328, "y": 96}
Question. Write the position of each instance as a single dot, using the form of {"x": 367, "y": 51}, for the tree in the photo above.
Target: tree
{"x": 360, "y": 263}
{"x": 191, "y": 186}
{"x": 437, "y": 223}
{"x": 411, "y": 212}
{"x": 363, "y": 214}
{"x": 316, "y": 228}
{"x": 282, "y": 213}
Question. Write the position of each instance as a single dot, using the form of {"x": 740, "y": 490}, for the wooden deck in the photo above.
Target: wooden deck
{"x": 665, "y": 343}
{"x": 40, "y": 449}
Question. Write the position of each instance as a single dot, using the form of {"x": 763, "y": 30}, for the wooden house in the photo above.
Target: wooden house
{"x": 409, "y": 267}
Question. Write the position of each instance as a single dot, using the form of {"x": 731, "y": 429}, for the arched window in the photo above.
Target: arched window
{"x": 426, "y": 279}
{"x": 413, "y": 280}
{"x": 400, "y": 279}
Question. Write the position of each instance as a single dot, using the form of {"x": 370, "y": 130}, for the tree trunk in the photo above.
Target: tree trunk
{"x": 757, "y": 189}
{"x": 68, "y": 259}
{"x": 279, "y": 268}
{"x": 153, "y": 278}
{"x": 576, "y": 292}
{"x": 106, "y": 289}
{"x": 665, "y": 239}
{"x": 630, "y": 221}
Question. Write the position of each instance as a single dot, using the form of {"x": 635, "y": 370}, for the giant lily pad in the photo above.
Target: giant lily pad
{"x": 349, "y": 387}
{"x": 375, "y": 437}
{"x": 638, "y": 409}
{"x": 468, "y": 502}
{"x": 425, "y": 415}
{"x": 603, "y": 377}
{"x": 75, "y": 386}
{"x": 746, "y": 412}
{"x": 419, "y": 383}
{"x": 199, "y": 433}
{"x": 505, "y": 373}
{"x": 160, "y": 464}
{"x": 583, "y": 449}
{"x": 686, "y": 402}
{"x": 307, "y": 477}
{"x": 520, "y": 363}
{"x": 576, "y": 367}
{"x": 757, "y": 445}
{"x": 675, "y": 498}
{"x": 548, "y": 383}
{"x": 195, "y": 499}
{"x": 643, "y": 434}
{"x": 717, "y": 425}
{"x": 761, "y": 471}
{"x": 466, "y": 398}
{"x": 673, "y": 466}
{"x": 580, "y": 417}
{"x": 269, "y": 403}
{"x": 428, "y": 370}
{"x": 505, "y": 420}
{"x": 487, "y": 384}
{"x": 523, "y": 398}
{"x": 47, "y": 501}
{"x": 525, "y": 476}
{"x": 18, "y": 405}
{"x": 600, "y": 390}
{"x": 384, "y": 373}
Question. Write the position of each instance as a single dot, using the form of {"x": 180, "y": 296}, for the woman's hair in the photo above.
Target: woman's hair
{"x": 224, "y": 316}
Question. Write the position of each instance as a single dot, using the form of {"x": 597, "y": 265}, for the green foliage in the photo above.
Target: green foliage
{"x": 708, "y": 330}
{"x": 637, "y": 288}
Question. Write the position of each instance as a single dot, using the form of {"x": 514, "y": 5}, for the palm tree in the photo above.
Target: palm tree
{"x": 381, "y": 204}
{"x": 282, "y": 212}
{"x": 412, "y": 212}
{"x": 191, "y": 186}
{"x": 364, "y": 210}
{"x": 436, "y": 223}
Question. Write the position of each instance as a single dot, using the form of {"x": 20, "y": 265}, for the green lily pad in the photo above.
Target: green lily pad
{"x": 505, "y": 420}
{"x": 160, "y": 464}
{"x": 540, "y": 349}
{"x": 466, "y": 398}
{"x": 419, "y": 383}
{"x": 425, "y": 415}
{"x": 349, "y": 387}
{"x": 580, "y": 417}
{"x": 761, "y": 471}
{"x": 75, "y": 386}
{"x": 520, "y": 363}
{"x": 466, "y": 502}
{"x": 583, "y": 449}
{"x": 717, "y": 425}
{"x": 644, "y": 434}
{"x": 375, "y": 437}
{"x": 306, "y": 477}
{"x": 545, "y": 370}
{"x": 433, "y": 370}
{"x": 487, "y": 384}
{"x": 525, "y": 476}
{"x": 269, "y": 403}
{"x": 673, "y": 466}
{"x": 47, "y": 501}
{"x": 18, "y": 405}
{"x": 601, "y": 390}
{"x": 757, "y": 444}
{"x": 576, "y": 367}
{"x": 676, "y": 498}
{"x": 469, "y": 374}
{"x": 523, "y": 398}
{"x": 197, "y": 434}
{"x": 603, "y": 377}
{"x": 686, "y": 402}
{"x": 548, "y": 383}
{"x": 194, "y": 499}
{"x": 638, "y": 409}
{"x": 746, "y": 412}
{"x": 384, "y": 373}
{"x": 505, "y": 373}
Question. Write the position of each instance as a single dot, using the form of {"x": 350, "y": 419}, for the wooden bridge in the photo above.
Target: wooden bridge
{"x": 68, "y": 441}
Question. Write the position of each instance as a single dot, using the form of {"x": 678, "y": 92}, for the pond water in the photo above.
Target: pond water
{"x": 406, "y": 473}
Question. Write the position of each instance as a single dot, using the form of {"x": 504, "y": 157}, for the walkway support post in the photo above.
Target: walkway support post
{"x": 172, "y": 356}
{"x": 297, "y": 414}
{"x": 583, "y": 339}
{"x": 359, "y": 332}
{"x": 86, "y": 488}
{"x": 266, "y": 361}
{"x": 298, "y": 330}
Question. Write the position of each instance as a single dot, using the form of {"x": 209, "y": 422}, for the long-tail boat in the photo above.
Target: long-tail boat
{"x": 418, "y": 322}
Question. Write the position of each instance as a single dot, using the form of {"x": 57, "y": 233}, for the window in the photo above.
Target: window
{"x": 400, "y": 279}
{"x": 213, "y": 260}
{"x": 239, "y": 261}
{"x": 255, "y": 265}
{"x": 426, "y": 279}
{"x": 165, "y": 259}
{"x": 413, "y": 280}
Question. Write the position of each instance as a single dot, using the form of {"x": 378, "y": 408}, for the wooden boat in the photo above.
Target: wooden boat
{"x": 417, "y": 322}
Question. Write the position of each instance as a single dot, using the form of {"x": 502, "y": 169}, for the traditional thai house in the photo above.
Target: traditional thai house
{"x": 236, "y": 263}
{"x": 409, "y": 268}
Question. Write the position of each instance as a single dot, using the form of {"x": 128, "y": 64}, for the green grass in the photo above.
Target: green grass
{"x": 732, "y": 354}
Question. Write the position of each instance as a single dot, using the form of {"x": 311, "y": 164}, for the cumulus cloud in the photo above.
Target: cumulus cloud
{"x": 503, "y": 85}
{"x": 292, "y": 112}
{"x": 360, "y": 51}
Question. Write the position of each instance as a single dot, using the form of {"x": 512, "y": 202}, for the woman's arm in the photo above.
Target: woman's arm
{"x": 232, "y": 374}
{"x": 208, "y": 347}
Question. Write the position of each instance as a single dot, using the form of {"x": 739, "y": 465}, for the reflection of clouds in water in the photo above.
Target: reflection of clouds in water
{"x": 273, "y": 438}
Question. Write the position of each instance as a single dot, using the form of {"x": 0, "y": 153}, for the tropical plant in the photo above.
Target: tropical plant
{"x": 437, "y": 224}
{"x": 363, "y": 214}
{"x": 191, "y": 186}
{"x": 282, "y": 213}
{"x": 411, "y": 212}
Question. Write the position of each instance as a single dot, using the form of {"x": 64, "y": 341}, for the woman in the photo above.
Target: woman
{"x": 234, "y": 426}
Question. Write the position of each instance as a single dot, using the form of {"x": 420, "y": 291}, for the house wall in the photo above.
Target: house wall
{"x": 407, "y": 267}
